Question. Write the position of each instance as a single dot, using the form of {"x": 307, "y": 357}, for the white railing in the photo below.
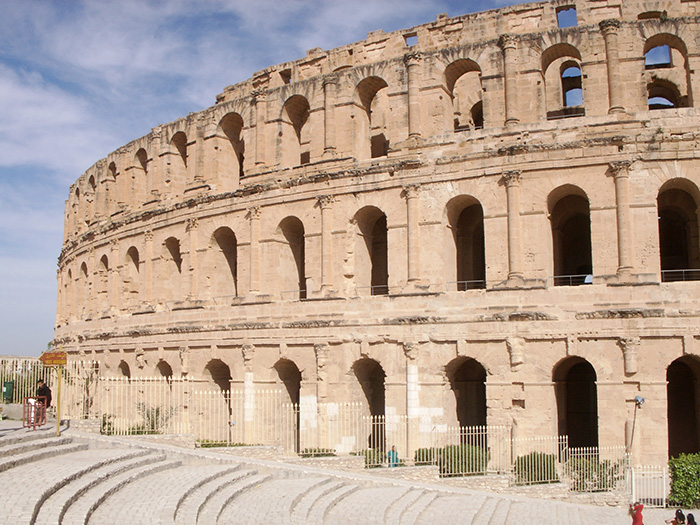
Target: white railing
{"x": 596, "y": 469}
{"x": 19, "y": 376}
{"x": 650, "y": 485}
{"x": 538, "y": 459}
{"x": 460, "y": 451}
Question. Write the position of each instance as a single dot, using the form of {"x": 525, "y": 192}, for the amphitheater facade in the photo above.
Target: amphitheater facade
{"x": 486, "y": 219}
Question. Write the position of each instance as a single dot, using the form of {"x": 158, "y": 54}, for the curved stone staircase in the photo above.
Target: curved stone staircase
{"x": 74, "y": 479}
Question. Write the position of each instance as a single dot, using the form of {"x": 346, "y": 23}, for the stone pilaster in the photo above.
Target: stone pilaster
{"x": 508, "y": 44}
{"x": 191, "y": 228}
{"x": 412, "y": 61}
{"x": 411, "y": 192}
{"x": 620, "y": 173}
{"x": 254, "y": 218}
{"x": 325, "y": 203}
{"x": 511, "y": 180}
{"x": 330, "y": 83}
{"x": 629, "y": 348}
{"x": 321, "y": 350}
{"x": 610, "y": 29}
{"x": 258, "y": 117}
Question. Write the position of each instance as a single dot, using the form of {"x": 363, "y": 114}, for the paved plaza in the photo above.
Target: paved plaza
{"x": 86, "y": 478}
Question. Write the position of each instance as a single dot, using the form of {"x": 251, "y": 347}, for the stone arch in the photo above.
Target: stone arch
{"x": 371, "y": 377}
{"x": 219, "y": 373}
{"x": 577, "y": 401}
{"x": 667, "y": 73}
{"x": 467, "y": 379}
{"x": 170, "y": 274}
{"x": 102, "y": 284}
{"x": 563, "y": 88}
{"x": 372, "y": 267}
{"x": 291, "y": 264}
{"x": 290, "y": 376}
{"x": 371, "y": 124}
{"x": 177, "y": 161}
{"x": 295, "y": 133}
{"x": 164, "y": 369}
{"x": 682, "y": 405}
{"x": 231, "y": 150}
{"x": 570, "y": 218}
{"x": 463, "y": 83}
{"x": 679, "y": 248}
{"x": 84, "y": 290}
{"x": 140, "y": 174}
{"x": 465, "y": 217}
{"x": 224, "y": 267}
{"x": 91, "y": 198}
{"x": 131, "y": 278}
{"x": 123, "y": 369}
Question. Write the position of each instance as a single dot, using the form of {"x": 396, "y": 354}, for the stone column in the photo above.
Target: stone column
{"x": 90, "y": 299}
{"x": 512, "y": 182}
{"x": 410, "y": 350}
{"x": 412, "y": 61}
{"x": 321, "y": 350}
{"x": 113, "y": 293}
{"x": 248, "y": 394}
{"x": 148, "y": 268}
{"x": 620, "y": 172}
{"x": 508, "y": 44}
{"x": 193, "y": 272}
{"x": 412, "y": 235}
{"x": 324, "y": 203}
{"x": 254, "y": 217}
{"x": 329, "y": 86}
{"x": 258, "y": 101}
{"x": 610, "y": 28}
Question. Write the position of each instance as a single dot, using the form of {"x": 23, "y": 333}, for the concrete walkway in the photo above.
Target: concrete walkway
{"x": 87, "y": 478}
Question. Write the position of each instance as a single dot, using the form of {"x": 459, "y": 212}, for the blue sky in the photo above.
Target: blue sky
{"x": 78, "y": 79}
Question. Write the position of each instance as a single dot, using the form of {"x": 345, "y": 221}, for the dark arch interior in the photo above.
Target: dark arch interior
{"x": 571, "y": 236}
{"x": 164, "y": 369}
{"x": 371, "y": 376}
{"x": 220, "y": 374}
{"x": 577, "y": 402}
{"x": 379, "y": 257}
{"x": 289, "y": 374}
{"x": 228, "y": 245}
{"x": 469, "y": 240}
{"x": 293, "y": 231}
{"x": 468, "y": 382}
{"x": 124, "y": 369}
{"x": 678, "y": 227}
{"x": 682, "y": 409}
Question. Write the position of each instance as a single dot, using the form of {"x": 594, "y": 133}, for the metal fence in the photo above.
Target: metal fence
{"x": 460, "y": 451}
{"x": 650, "y": 485}
{"x": 596, "y": 469}
{"x": 19, "y": 376}
{"x": 538, "y": 459}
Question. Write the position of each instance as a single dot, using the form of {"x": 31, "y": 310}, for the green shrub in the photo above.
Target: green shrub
{"x": 536, "y": 467}
{"x": 461, "y": 460}
{"x": 685, "y": 480}
{"x": 592, "y": 475}
{"x": 374, "y": 457}
{"x": 425, "y": 456}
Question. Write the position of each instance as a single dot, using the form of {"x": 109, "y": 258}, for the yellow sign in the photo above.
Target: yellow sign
{"x": 53, "y": 358}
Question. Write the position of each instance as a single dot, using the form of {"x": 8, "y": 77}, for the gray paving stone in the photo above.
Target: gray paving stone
{"x": 301, "y": 510}
{"x": 211, "y": 510}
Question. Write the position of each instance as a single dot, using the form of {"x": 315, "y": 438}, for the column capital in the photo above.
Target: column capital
{"x": 192, "y": 224}
{"x": 325, "y": 201}
{"x": 329, "y": 80}
{"x": 248, "y": 354}
{"x": 609, "y": 26}
{"x": 413, "y": 58}
{"x": 511, "y": 178}
{"x": 258, "y": 95}
{"x": 410, "y": 191}
{"x": 507, "y": 42}
{"x": 410, "y": 350}
{"x": 253, "y": 212}
{"x": 620, "y": 168}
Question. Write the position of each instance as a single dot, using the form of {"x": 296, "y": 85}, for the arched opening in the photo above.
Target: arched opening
{"x": 164, "y": 370}
{"x": 225, "y": 268}
{"x": 466, "y": 220}
{"x": 171, "y": 269}
{"x": 84, "y": 288}
{"x": 173, "y": 246}
{"x": 468, "y": 382}
{"x": 131, "y": 277}
{"x": 231, "y": 150}
{"x": 176, "y": 174}
{"x": 103, "y": 283}
{"x": 140, "y": 173}
{"x": 372, "y": 135}
{"x": 563, "y": 86}
{"x": 372, "y": 252}
{"x": 290, "y": 376}
{"x": 218, "y": 373}
{"x": 577, "y": 402}
{"x": 682, "y": 405}
{"x": 678, "y": 232}
{"x": 371, "y": 376}
{"x": 295, "y": 133}
{"x": 292, "y": 265}
{"x": 463, "y": 81}
{"x": 571, "y": 237}
{"x": 91, "y": 198}
{"x": 667, "y": 73}
{"x": 124, "y": 370}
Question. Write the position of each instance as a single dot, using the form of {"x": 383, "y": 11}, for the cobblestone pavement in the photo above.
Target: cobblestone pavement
{"x": 84, "y": 478}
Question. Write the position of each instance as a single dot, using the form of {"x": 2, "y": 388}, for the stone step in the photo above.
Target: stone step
{"x": 323, "y": 505}
{"x": 47, "y": 451}
{"x": 22, "y": 446}
{"x": 270, "y": 502}
{"x": 366, "y": 505}
{"x": 413, "y": 511}
{"x": 22, "y": 436}
{"x": 301, "y": 510}
{"x": 396, "y": 510}
{"x": 492, "y": 510}
{"x": 452, "y": 508}
{"x": 95, "y": 500}
{"x": 191, "y": 505}
{"x": 211, "y": 510}
{"x": 40, "y": 479}
{"x": 56, "y": 505}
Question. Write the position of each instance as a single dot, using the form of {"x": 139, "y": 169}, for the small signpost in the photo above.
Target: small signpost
{"x": 56, "y": 360}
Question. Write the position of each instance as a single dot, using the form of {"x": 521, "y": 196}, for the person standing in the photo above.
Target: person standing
{"x": 636, "y": 512}
{"x": 43, "y": 390}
